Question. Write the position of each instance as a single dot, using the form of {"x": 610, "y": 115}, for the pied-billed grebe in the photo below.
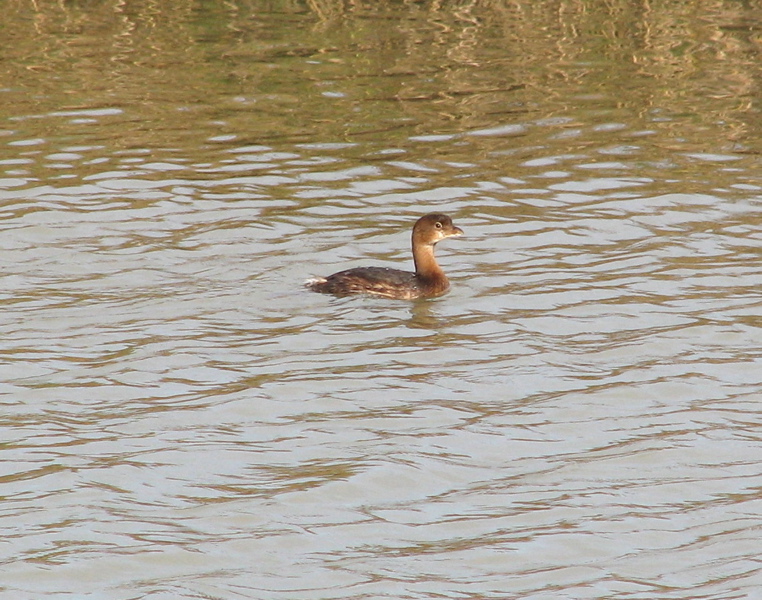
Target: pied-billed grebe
{"x": 428, "y": 280}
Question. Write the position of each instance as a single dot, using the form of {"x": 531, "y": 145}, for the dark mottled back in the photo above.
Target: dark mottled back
{"x": 378, "y": 281}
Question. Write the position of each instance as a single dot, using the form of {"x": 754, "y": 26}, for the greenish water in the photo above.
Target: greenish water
{"x": 577, "y": 418}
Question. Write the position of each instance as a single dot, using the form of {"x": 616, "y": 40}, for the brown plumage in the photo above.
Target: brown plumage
{"x": 428, "y": 280}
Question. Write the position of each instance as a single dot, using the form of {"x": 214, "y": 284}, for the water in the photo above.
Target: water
{"x": 577, "y": 418}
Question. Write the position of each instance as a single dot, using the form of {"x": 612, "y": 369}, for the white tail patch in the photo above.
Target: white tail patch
{"x": 313, "y": 281}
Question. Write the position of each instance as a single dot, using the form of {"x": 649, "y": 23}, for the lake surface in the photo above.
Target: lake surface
{"x": 578, "y": 418}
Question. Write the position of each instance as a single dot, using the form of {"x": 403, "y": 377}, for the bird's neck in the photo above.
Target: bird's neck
{"x": 426, "y": 266}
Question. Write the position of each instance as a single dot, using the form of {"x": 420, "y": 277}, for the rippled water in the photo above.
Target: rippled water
{"x": 577, "y": 418}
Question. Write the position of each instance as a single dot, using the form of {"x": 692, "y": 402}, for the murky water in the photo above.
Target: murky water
{"x": 577, "y": 418}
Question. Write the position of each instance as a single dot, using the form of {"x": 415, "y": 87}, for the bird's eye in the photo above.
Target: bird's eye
{"x": 438, "y": 225}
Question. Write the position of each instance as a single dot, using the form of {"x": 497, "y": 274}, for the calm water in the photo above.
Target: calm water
{"x": 578, "y": 418}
